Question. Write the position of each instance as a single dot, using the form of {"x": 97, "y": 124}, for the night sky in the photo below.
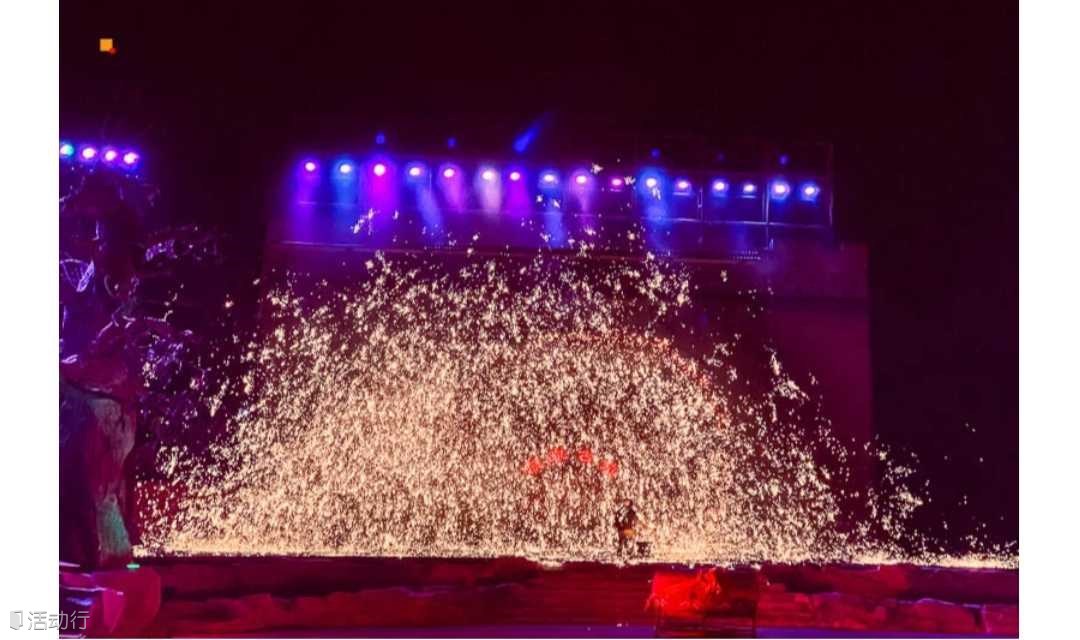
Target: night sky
{"x": 919, "y": 100}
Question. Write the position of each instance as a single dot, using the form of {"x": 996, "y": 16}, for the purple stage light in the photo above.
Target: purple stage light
{"x": 310, "y": 166}
{"x": 810, "y": 190}
{"x": 617, "y": 182}
{"x": 749, "y": 188}
{"x": 515, "y": 176}
{"x": 449, "y": 173}
{"x": 682, "y": 185}
{"x": 88, "y": 153}
{"x": 719, "y": 186}
{"x": 780, "y": 189}
{"x": 67, "y": 150}
{"x": 110, "y": 155}
{"x": 488, "y": 175}
{"x": 379, "y": 169}
{"x": 581, "y": 179}
{"x": 130, "y": 158}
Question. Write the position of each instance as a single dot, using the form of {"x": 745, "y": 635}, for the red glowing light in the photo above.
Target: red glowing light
{"x": 558, "y": 455}
{"x": 609, "y": 467}
{"x": 534, "y": 466}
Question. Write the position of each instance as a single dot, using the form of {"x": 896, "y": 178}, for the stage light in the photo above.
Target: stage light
{"x": 749, "y": 189}
{"x": 380, "y": 138}
{"x": 449, "y": 173}
{"x": 617, "y": 183}
{"x": 130, "y": 158}
{"x": 581, "y": 179}
{"x": 515, "y": 176}
{"x": 651, "y": 182}
{"x": 88, "y": 153}
{"x": 67, "y": 150}
{"x": 810, "y": 191}
{"x": 379, "y": 169}
{"x": 719, "y": 187}
{"x": 415, "y": 171}
{"x": 109, "y": 155}
{"x": 345, "y": 168}
{"x": 549, "y": 179}
{"x": 682, "y": 187}
{"x": 310, "y": 166}
{"x": 780, "y": 190}
{"x": 488, "y": 175}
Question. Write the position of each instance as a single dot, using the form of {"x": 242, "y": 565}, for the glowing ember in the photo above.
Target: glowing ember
{"x": 506, "y": 409}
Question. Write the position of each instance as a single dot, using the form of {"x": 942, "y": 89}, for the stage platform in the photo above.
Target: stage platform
{"x": 499, "y": 597}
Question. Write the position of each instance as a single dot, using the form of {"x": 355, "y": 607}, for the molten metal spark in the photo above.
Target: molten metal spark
{"x": 506, "y": 410}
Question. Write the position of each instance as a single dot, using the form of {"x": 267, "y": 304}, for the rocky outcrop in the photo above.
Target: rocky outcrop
{"x": 872, "y": 599}
{"x": 116, "y": 603}
{"x": 97, "y": 431}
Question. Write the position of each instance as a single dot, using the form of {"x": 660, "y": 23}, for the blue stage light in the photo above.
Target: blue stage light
{"x": 488, "y": 174}
{"x": 809, "y": 191}
{"x": 416, "y": 170}
{"x": 780, "y": 189}
{"x": 682, "y": 187}
{"x": 380, "y": 138}
{"x": 310, "y": 166}
{"x": 345, "y": 168}
{"x": 582, "y": 179}
{"x": 130, "y": 159}
{"x": 749, "y": 189}
{"x": 651, "y": 182}
{"x": 67, "y": 149}
{"x": 720, "y": 187}
{"x": 549, "y": 179}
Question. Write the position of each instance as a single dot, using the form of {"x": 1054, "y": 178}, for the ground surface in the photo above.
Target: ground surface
{"x": 392, "y": 597}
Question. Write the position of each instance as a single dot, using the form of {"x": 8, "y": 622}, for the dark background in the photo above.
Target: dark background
{"x": 919, "y": 101}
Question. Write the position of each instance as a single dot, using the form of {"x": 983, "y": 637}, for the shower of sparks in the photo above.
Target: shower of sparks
{"x": 504, "y": 408}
